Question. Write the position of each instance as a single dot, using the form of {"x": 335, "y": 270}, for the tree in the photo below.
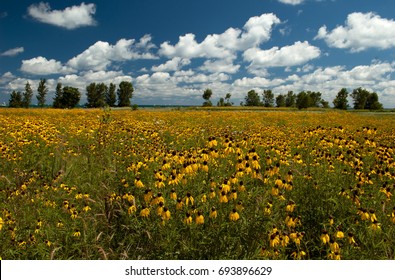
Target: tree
{"x": 280, "y": 101}
{"x": 290, "y": 99}
{"x": 15, "y": 100}
{"x": 340, "y": 101}
{"x": 303, "y": 100}
{"x": 57, "y": 102}
{"x": 96, "y": 94}
{"x": 70, "y": 97}
{"x": 111, "y": 97}
{"x": 315, "y": 98}
{"x": 42, "y": 92}
{"x": 252, "y": 99}
{"x": 227, "y": 99}
{"x": 125, "y": 93}
{"x": 372, "y": 103}
{"x": 268, "y": 98}
{"x": 27, "y": 95}
{"x": 206, "y": 96}
{"x": 360, "y": 97}
{"x": 221, "y": 102}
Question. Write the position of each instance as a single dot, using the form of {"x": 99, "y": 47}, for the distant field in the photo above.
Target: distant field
{"x": 193, "y": 183}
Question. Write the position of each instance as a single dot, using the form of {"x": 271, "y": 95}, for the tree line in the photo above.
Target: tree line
{"x": 98, "y": 95}
{"x": 362, "y": 99}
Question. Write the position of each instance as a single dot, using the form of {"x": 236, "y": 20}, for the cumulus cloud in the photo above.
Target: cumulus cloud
{"x": 69, "y": 18}
{"x": 101, "y": 54}
{"x": 296, "y": 54}
{"x": 42, "y": 66}
{"x": 360, "y": 32}
{"x": 255, "y": 31}
{"x": 6, "y": 77}
{"x": 174, "y": 64}
{"x": 291, "y": 2}
{"x": 220, "y": 65}
{"x": 13, "y": 52}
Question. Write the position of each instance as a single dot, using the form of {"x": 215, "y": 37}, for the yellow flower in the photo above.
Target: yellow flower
{"x": 204, "y": 198}
{"x": 234, "y": 216}
{"x": 188, "y": 219}
{"x": 48, "y": 243}
{"x": 138, "y": 183}
{"x": 59, "y": 224}
{"x": 339, "y": 234}
{"x": 241, "y": 188}
{"x": 213, "y": 213}
{"x": 132, "y": 209}
{"x": 166, "y": 214}
{"x": 223, "y": 198}
{"x": 325, "y": 237}
{"x": 212, "y": 193}
{"x": 334, "y": 246}
{"x": 199, "y": 220}
{"x": 1, "y": 223}
{"x": 145, "y": 212}
{"x": 290, "y": 206}
{"x": 274, "y": 240}
{"x": 179, "y": 204}
{"x": 189, "y": 198}
{"x": 77, "y": 233}
{"x": 86, "y": 208}
{"x": 240, "y": 206}
{"x": 351, "y": 239}
{"x": 173, "y": 194}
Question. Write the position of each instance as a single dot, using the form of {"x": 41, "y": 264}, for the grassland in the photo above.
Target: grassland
{"x": 151, "y": 184}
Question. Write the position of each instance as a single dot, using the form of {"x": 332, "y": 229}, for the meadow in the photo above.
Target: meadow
{"x": 151, "y": 184}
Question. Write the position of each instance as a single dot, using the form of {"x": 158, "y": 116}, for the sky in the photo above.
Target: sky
{"x": 172, "y": 50}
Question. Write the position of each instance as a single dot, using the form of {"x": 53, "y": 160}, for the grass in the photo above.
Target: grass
{"x": 77, "y": 184}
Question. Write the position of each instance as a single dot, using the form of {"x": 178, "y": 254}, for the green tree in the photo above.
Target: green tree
{"x": 96, "y": 95}
{"x": 360, "y": 97}
{"x": 252, "y": 99}
{"x": 111, "y": 97}
{"x": 42, "y": 91}
{"x": 27, "y": 95}
{"x": 71, "y": 97}
{"x": 290, "y": 99}
{"x": 15, "y": 100}
{"x": 125, "y": 93}
{"x": 340, "y": 101}
{"x": 315, "y": 98}
{"x": 372, "y": 102}
{"x": 221, "y": 102}
{"x": 206, "y": 96}
{"x": 57, "y": 102}
{"x": 280, "y": 100}
{"x": 227, "y": 99}
{"x": 303, "y": 100}
{"x": 268, "y": 98}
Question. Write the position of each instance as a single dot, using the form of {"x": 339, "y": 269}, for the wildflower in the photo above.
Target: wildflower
{"x": 339, "y": 233}
{"x": 375, "y": 225}
{"x": 213, "y": 213}
{"x": 212, "y": 193}
{"x": 199, "y": 220}
{"x": 188, "y": 219}
{"x": 372, "y": 216}
{"x": 392, "y": 215}
{"x": 189, "y": 198}
{"x": 204, "y": 198}
{"x": 241, "y": 188}
{"x": 78, "y": 195}
{"x": 226, "y": 186}
{"x": 159, "y": 183}
{"x": 233, "y": 195}
{"x": 240, "y": 206}
{"x": 86, "y": 208}
{"x": 334, "y": 246}
{"x": 290, "y": 206}
{"x": 334, "y": 255}
{"x": 298, "y": 255}
{"x": 159, "y": 210}
{"x": 351, "y": 239}
{"x": 59, "y": 224}
{"x": 145, "y": 212}
{"x": 1, "y": 223}
{"x": 275, "y": 190}
{"x": 76, "y": 233}
{"x": 74, "y": 214}
{"x": 179, "y": 204}
{"x": 234, "y": 216}
{"x": 223, "y": 198}
{"x": 138, "y": 183}
{"x": 147, "y": 195}
{"x": 284, "y": 240}
{"x": 325, "y": 237}
{"x": 48, "y": 243}
{"x": 331, "y": 221}
{"x": 274, "y": 240}
{"x": 205, "y": 166}
{"x": 132, "y": 209}
{"x": 166, "y": 214}
{"x": 173, "y": 194}
{"x": 160, "y": 198}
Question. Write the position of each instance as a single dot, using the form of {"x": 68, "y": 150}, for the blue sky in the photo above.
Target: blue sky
{"x": 172, "y": 50}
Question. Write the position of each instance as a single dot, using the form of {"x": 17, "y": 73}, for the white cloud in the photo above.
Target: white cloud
{"x": 221, "y": 65}
{"x": 13, "y": 52}
{"x": 257, "y": 82}
{"x": 42, "y": 66}
{"x": 296, "y": 54}
{"x": 176, "y": 63}
{"x": 361, "y": 31}
{"x": 256, "y": 30}
{"x": 291, "y": 2}
{"x": 6, "y": 77}
{"x": 101, "y": 54}
{"x": 69, "y": 18}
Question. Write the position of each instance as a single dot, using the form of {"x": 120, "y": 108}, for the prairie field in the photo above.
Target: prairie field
{"x": 151, "y": 184}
